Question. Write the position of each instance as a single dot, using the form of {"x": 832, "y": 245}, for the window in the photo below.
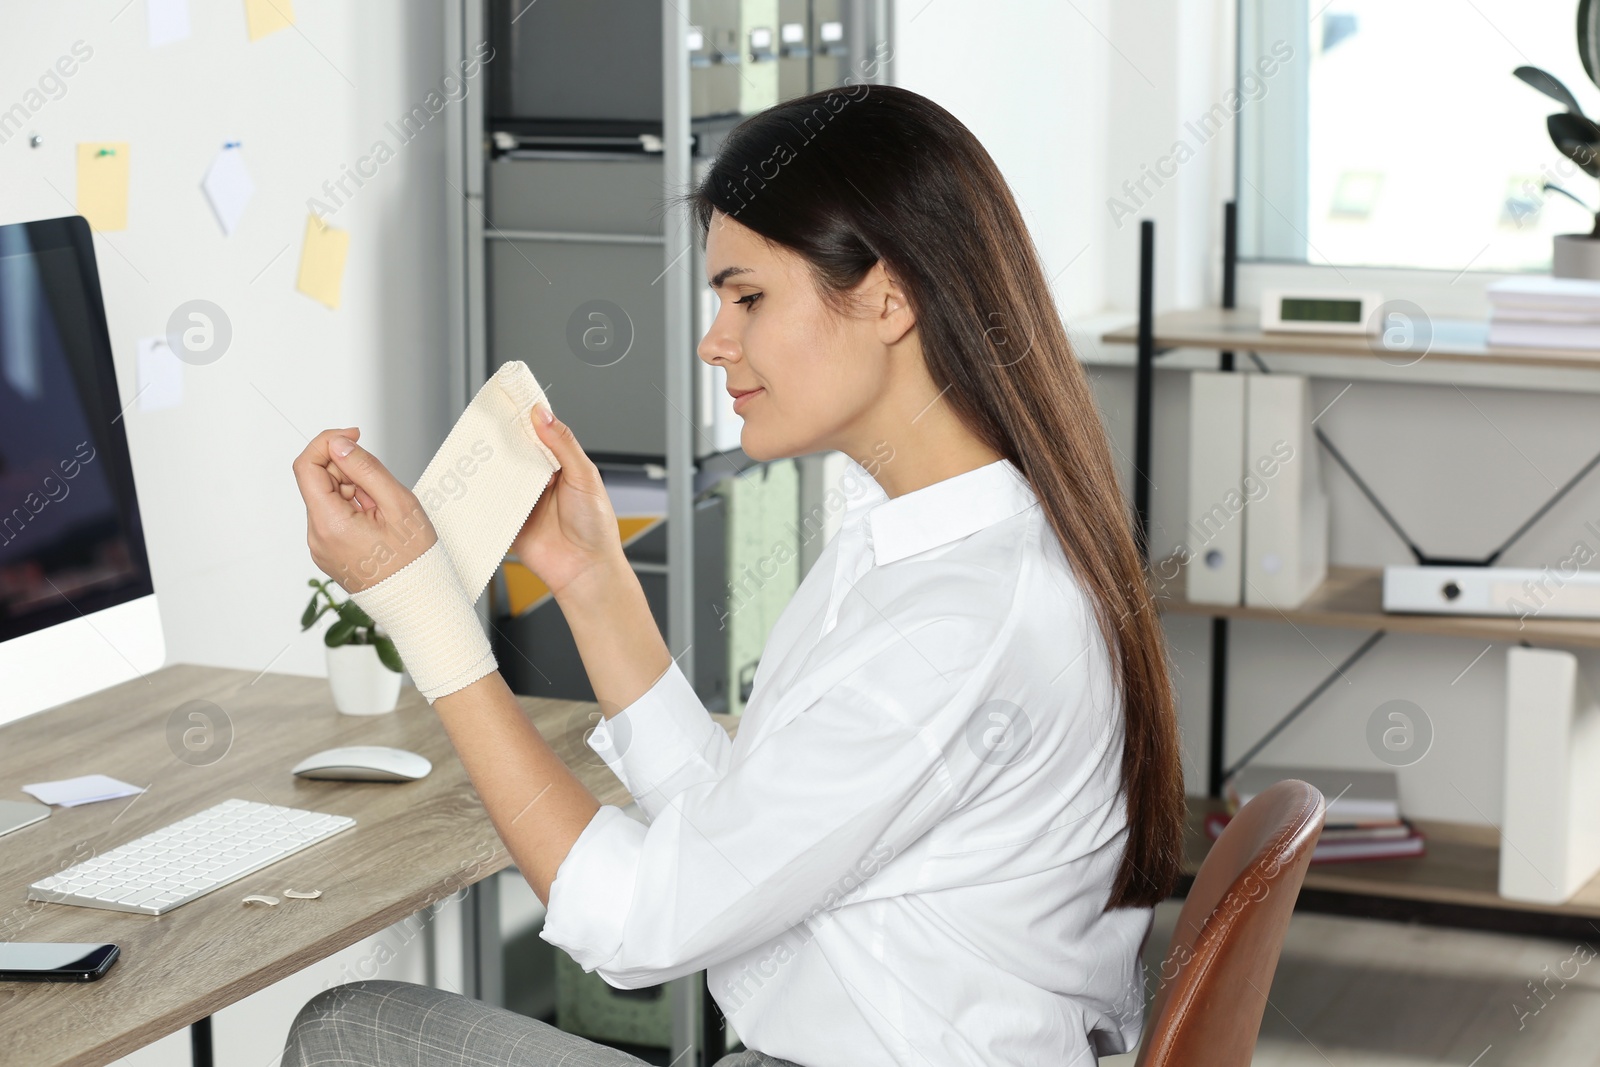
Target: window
{"x": 1397, "y": 136}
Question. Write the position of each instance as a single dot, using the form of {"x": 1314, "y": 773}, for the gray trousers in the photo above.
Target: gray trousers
{"x": 399, "y": 1024}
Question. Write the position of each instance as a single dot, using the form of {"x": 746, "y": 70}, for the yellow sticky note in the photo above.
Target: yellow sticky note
{"x": 322, "y": 261}
{"x": 103, "y": 185}
{"x": 268, "y": 16}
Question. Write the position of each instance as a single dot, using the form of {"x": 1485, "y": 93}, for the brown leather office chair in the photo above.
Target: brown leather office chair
{"x": 1217, "y": 971}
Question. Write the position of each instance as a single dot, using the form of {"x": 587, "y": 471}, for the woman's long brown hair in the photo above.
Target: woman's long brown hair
{"x": 867, "y": 173}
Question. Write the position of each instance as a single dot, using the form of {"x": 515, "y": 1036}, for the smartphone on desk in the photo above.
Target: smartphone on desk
{"x": 60, "y": 962}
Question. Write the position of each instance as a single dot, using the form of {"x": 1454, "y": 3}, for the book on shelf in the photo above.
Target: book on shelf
{"x": 1544, "y": 312}
{"x": 1519, "y": 333}
{"x": 1344, "y": 844}
{"x": 1540, "y": 291}
{"x": 1355, "y": 798}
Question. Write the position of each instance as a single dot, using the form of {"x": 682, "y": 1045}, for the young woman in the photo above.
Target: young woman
{"x": 955, "y": 795}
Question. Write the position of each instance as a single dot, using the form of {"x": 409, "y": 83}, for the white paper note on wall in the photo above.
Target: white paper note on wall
{"x": 169, "y": 21}
{"x": 228, "y": 186}
{"x": 160, "y": 382}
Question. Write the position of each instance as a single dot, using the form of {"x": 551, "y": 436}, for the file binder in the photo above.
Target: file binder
{"x": 1286, "y": 517}
{"x": 1215, "y": 529}
{"x": 1550, "y": 833}
{"x": 1559, "y": 592}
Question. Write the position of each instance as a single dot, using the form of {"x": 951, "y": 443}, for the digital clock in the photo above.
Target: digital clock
{"x": 1308, "y": 311}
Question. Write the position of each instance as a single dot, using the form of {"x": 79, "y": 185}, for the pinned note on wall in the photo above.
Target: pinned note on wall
{"x": 228, "y": 186}
{"x": 168, "y": 21}
{"x": 322, "y": 261}
{"x": 268, "y": 16}
{"x": 160, "y": 376}
{"x": 103, "y": 184}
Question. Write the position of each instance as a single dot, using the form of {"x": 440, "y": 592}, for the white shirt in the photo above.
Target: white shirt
{"x": 904, "y": 856}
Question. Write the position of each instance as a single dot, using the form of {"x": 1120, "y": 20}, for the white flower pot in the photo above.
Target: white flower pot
{"x": 361, "y": 684}
{"x": 1577, "y": 255}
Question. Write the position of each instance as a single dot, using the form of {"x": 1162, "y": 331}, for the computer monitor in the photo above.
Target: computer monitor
{"x": 77, "y": 608}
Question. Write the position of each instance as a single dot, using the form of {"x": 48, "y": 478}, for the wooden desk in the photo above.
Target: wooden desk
{"x": 413, "y": 844}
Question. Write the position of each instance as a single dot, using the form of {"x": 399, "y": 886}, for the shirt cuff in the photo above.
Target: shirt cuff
{"x": 662, "y": 743}
{"x": 593, "y": 889}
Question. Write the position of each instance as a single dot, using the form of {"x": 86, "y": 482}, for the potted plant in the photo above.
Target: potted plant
{"x": 363, "y": 665}
{"x": 1577, "y": 255}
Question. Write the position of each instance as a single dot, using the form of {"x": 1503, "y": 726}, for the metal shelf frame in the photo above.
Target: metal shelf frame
{"x": 697, "y": 1028}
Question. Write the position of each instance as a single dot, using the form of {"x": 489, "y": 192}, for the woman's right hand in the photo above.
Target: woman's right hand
{"x": 573, "y": 529}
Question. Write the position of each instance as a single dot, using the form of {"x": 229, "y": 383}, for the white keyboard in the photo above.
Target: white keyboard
{"x": 155, "y": 873}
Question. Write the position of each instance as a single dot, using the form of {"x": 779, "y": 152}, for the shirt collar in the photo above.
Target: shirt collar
{"x": 936, "y": 514}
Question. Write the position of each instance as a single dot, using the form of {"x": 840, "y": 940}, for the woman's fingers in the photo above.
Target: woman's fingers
{"x": 318, "y": 482}
{"x": 348, "y": 489}
{"x": 352, "y": 491}
{"x": 362, "y": 523}
{"x": 372, "y": 480}
{"x": 558, "y": 437}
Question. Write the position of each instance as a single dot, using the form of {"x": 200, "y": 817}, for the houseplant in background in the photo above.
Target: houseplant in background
{"x": 363, "y": 665}
{"x": 1576, "y": 255}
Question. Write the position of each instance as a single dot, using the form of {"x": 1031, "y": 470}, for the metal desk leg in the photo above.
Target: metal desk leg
{"x": 200, "y": 1042}
{"x": 1219, "y": 706}
{"x": 1144, "y": 387}
{"x": 685, "y": 992}
{"x": 482, "y": 962}
{"x": 712, "y": 1022}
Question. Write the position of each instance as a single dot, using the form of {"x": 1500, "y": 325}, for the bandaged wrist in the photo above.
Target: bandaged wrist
{"x": 432, "y": 623}
{"x": 482, "y": 484}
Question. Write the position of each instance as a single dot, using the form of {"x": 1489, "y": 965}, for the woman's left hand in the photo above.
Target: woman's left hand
{"x": 362, "y": 525}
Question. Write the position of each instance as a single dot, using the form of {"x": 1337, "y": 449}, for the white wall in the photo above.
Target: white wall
{"x": 224, "y": 522}
{"x": 1073, "y": 100}
{"x": 223, "y": 519}
{"x": 1029, "y": 79}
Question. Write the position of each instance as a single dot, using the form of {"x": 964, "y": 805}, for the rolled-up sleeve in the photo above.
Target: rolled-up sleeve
{"x": 663, "y": 742}
{"x": 748, "y": 851}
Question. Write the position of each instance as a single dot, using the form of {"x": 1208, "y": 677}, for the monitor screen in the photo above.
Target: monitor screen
{"x": 71, "y": 542}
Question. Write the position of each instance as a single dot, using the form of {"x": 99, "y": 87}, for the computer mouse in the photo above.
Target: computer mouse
{"x": 364, "y": 763}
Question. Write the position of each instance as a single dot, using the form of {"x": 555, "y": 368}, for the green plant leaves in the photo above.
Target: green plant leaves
{"x": 1551, "y": 86}
{"x": 351, "y": 612}
{"x": 1589, "y": 38}
{"x": 340, "y": 633}
{"x": 311, "y": 614}
{"x": 353, "y": 627}
{"x": 388, "y": 654}
{"x": 1578, "y": 139}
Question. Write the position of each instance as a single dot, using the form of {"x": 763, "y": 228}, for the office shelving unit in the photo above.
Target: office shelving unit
{"x": 657, "y": 423}
{"x": 1456, "y": 882}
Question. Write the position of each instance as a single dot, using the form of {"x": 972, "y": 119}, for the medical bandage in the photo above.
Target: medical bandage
{"x": 478, "y": 490}
{"x": 483, "y": 482}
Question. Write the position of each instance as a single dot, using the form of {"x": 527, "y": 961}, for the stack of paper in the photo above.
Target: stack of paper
{"x": 70, "y": 792}
{"x": 1363, "y": 820}
{"x": 1544, "y": 312}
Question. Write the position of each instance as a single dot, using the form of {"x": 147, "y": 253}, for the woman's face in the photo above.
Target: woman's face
{"x": 816, "y": 373}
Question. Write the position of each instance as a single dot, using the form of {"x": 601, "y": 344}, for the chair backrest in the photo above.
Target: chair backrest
{"x": 1217, "y": 971}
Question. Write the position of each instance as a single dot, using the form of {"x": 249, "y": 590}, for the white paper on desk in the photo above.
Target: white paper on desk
{"x": 229, "y": 188}
{"x": 169, "y": 21}
{"x": 70, "y": 792}
{"x": 160, "y": 375}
